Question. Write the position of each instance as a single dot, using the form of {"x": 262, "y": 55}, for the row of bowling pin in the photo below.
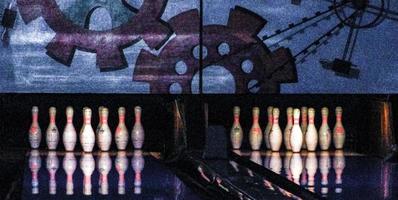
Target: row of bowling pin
{"x": 87, "y": 137}
{"x": 302, "y": 168}
{"x": 295, "y": 137}
{"x": 87, "y": 165}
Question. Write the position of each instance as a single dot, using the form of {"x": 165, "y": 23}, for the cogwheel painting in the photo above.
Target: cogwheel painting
{"x": 198, "y": 46}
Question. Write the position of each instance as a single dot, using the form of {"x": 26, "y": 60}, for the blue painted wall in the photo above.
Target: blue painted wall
{"x": 25, "y": 67}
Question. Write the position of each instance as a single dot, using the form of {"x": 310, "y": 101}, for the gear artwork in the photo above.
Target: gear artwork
{"x": 241, "y": 46}
{"x": 109, "y": 44}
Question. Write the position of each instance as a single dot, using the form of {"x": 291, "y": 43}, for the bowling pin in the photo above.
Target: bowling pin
{"x": 69, "y": 135}
{"x": 34, "y": 165}
{"x": 52, "y": 134}
{"x": 311, "y": 165}
{"x": 268, "y": 127}
{"x": 296, "y": 137}
{"x": 99, "y": 120}
{"x": 275, "y": 135}
{"x": 87, "y": 165}
{"x": 288, "y": 129}
{"x": 121, "y": 165}
{"x": 138, "y": 163}
{"x": 138, "y": 134}
{"x": 121, "y": 133}
{"x": 236, "y": 130}
{"x": 324, "y": 130}
{"x": 52, "y": 167}
{"x": 104, "y": 136}
{"x": 104, "y": 166}
{"x": 35, "y": 131}
{"x": 338, "y": 131}
{"x": 311, "y": 137}
{"x": 304, "y": 125}
{"x": 87, "y": 136}
{"x": 296, "y": 167}
{"x": 255, "y": 134}
{"x": 69, "y": 165}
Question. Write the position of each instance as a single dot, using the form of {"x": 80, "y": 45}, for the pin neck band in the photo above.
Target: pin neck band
{"x": 87, "y": 120}
{"x": 255, "y": 119}
{"x": 52, "y": 119}
{"x": 69, "y": 119}
{"x": 296, "y": 120}
{"x": 311, "y": 120}
{"x": 236, "y": 119}
{"x": 276, "y": 120}
{"x": 121, "y": 118}
{"x": 338, "y": 118}
{"x": 324, "y": 119}
{"x": 35, "y": 117}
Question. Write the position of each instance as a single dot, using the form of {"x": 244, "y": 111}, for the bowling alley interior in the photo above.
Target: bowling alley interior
{"x": 199, "y": 99}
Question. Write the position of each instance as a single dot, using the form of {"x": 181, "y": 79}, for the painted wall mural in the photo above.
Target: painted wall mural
{"x": 153, "y": 46}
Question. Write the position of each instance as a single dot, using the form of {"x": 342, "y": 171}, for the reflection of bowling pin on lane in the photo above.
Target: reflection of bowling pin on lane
{"x": 236, "y": 130}
{"x": 69, "y": 165}
{"x": 34, "y": 165}
{"x": 87, "y": 136}
{"x": 121, "y": 133}
{"x": 52, "y": 167}
{"x": 104, "y": 137}
{"x": 296, "y": 137}
{"x": 339, "y": 165}
{"x": 138, "y": 163}
{"x": 311, "y": 165}
{"x": 52, "y": 134}
{"x": 104, "y": 166}
{"x": 324, "y": 130}
{"x": 255, "y": 156}
{"x": 275, "y": 163}
{"x": 286, "y": 165}
{"x": 296, "y": 167}
{"x": 275, "y": 135}
{"x": 288, "y": 129}
{"x": 69, "y": 136}
{"x": 121, "y": 164}
{"x": 304, "y": 125}
{"x": 87, "y": 165}
{"x": 35, "y": 131}
{"x": 137, "y": 134}
{"x": 324, "y": 166}
{"x": 268, "y": 127}
{"x": 311, "y": 137}
{"x": 338, "y": 131}
{"x": 255, "y": 134}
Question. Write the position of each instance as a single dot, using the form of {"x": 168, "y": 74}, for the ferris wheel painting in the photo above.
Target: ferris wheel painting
{"x": 199, "y": 46}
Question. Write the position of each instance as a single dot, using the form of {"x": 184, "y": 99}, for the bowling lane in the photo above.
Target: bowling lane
{"x": 115, "y": 175}
{"x": 333, "y": 174}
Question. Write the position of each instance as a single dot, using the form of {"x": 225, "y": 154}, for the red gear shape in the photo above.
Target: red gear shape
{"x": 108, "y": 45}
{"x": 271, "y": 68}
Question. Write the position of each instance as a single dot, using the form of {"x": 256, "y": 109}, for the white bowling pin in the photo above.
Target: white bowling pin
{"x": 311, "y": 137}
{"x": 121, "y": 165}
{"x": 52, "y": 167}
{"x": 35, "y": 131}
{"x": 34, "y": 165}
{"x": 311, "y": 165}
{"x": 121, "y": 133}
{"x": 104, "y": 166}
{"x": 268, "y": 127}
{"x": 99, "y": 120}
{"x": 138, "y": 134}
{"x": 69, "y": 136}
{"x": 236, "y": 134}
{"x": 275, "y": 163}
{"x": 69, "y": 165}
{"x": 52, "y": 134}
{"x": 275, "y": 135}
{"x": 138, "y": 163}
{"x": 255, "y": 134}
{"x": 338, "y": 131}
{"x": 288, "y": 129}
{"x": 304, "y": 125}
{"x": 87, "y": 165}
{"x": 324, "y": 131}
{"x": 104, "y": 136}
{"x": 87, "y": 136}
{"x": 296, "y": 167}
{"x": 296, "y": 137}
